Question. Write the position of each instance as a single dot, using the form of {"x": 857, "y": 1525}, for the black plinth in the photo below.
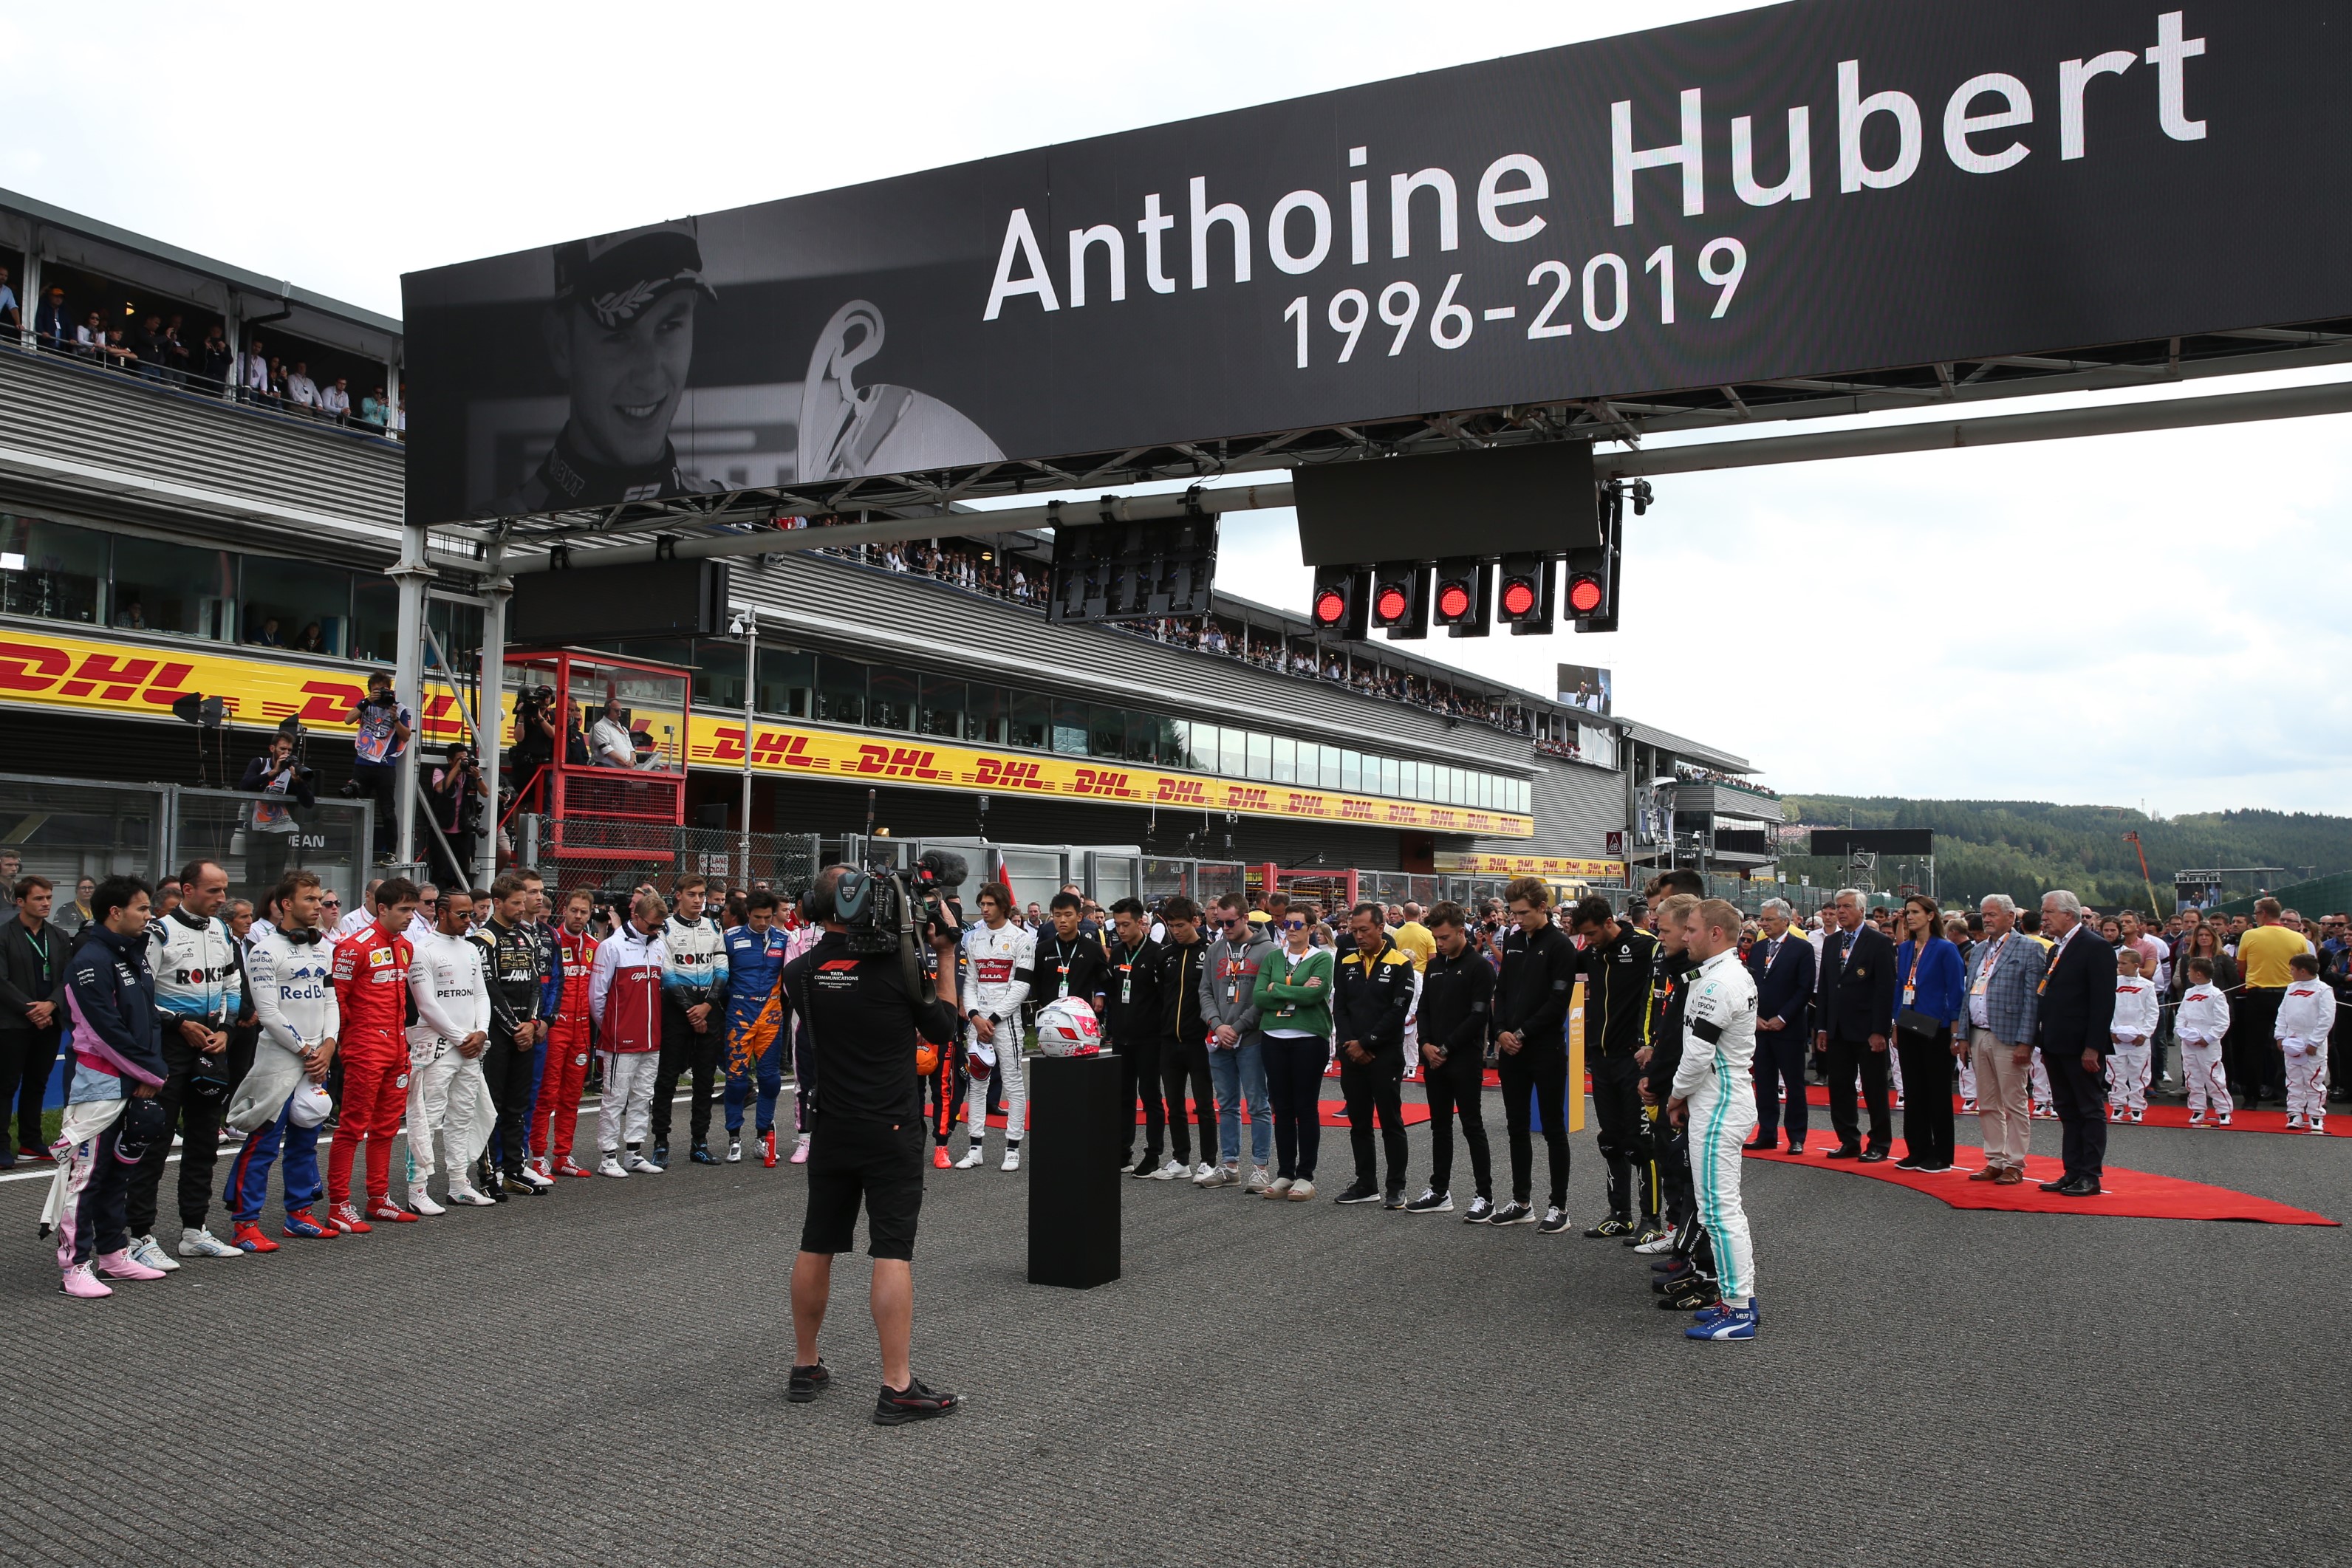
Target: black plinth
{"x": 1073, "y": 1155}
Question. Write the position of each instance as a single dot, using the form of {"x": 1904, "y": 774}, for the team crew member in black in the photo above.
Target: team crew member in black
{"x": 1671, "y": 969}
{"x": 1457, "y": 992}
{"x": 1070, "y": 960}
{"x": 1616, "y": 962}
{"x": 865, "y": 1144}
{"x": 1371, "y": 993}
{"x": 1130, "y": 1020}
{"x": 1185, "y": 1038}
{"x": 512, "y": 958}
{"x": 1531, "y": 1000}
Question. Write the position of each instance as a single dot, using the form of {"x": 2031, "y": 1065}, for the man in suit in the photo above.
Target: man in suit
{"x": 2005, "y": 974}
{"x": 1855, "y": 1000}
{"x": 1782, "y": 964}
{"x": 2074, "y": 1029}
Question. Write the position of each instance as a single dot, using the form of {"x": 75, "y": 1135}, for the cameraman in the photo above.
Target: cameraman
{"x": 535, "y": 739}
{"x": 455, "y": 791}
{"x": 384, "y": 727}
{"x": 865, "y": 1144}
{"x": 278, "y": 778}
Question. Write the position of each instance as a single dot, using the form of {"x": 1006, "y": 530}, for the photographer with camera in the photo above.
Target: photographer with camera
{"x": 456, "y": 792}
{"x": 536, "y": 738}
{"x": 867, "y": 1013}
{"x": 384, "y": 727}
{"x": 283, "y": 779}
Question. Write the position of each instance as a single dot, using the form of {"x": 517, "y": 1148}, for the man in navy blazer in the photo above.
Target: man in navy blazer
{"x": 2074, "y": 1027}
{"x": 1782, "y": 963}
{"x": 1852, "y": 1005}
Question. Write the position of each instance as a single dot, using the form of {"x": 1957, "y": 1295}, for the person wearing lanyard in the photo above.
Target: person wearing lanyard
{"x": 998, "y": 959}
{"x": 199, "y": 991}
{"x": 1130, "y": 1022}
{"x": 2004, "y": 983}
{"x": 1782, "y": 963}
{"x": 32, "y": 1012}
{"x": 1931, "y": 994}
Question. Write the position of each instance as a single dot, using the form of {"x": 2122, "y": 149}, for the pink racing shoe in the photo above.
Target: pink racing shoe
{"x": 83, "y": 1283}
{"x": 123, "y": 1266}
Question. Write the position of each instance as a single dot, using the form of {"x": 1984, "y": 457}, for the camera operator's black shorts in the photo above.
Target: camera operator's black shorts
{"x": 879, "y": 1163}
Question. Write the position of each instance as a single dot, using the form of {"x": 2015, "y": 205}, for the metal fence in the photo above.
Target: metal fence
{"x": 609, "y": 858}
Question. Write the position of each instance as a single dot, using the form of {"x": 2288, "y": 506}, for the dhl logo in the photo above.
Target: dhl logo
{"x": 900, "y": 762}
{"x": 1354, "y": 810}
{"x": 1306, "y": 806}
{"x": 30, "y": 667}
{"x": 776, "y": 748}
{"x": 1238, "y": 799}
{"x": 1407, "y": 814}
{"x": 1182, "y": 792}
{"x": 1091, "y": 781}
{"x": 998, "y": 774}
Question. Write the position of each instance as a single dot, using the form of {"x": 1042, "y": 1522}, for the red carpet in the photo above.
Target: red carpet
{"x": 2131, "y": 1194}
{"x": 2167, "y": 1115}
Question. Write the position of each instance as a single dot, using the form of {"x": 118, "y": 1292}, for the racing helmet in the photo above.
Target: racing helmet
{"x": 309, "y": 1105}
{"x": 1067, "y": 1027}
{"x": 978, "y": 1060}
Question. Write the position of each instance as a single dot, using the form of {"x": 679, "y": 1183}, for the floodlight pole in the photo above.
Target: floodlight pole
{"x": 411, "y": 572}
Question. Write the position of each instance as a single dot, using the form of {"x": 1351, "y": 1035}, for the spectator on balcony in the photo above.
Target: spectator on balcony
{"x": 300, "y": 388}
{"x": 372, "y": 409}
{"x": 178, "y": 358}
{"x": 220, "y": 362}
{"x": 252, "y": 380}
{"x": 152, "y": 348}
{"x": 610, "y": 740}
{"x": 312, "y": 639}
{"x": 266, "y": 634}
{"x": 119, "y": 354}
{"x": 52, "y": 327}
{"x": 130, "y": 616}
{"x": 335, "y": 401}
{"x": 8, "y": 313}
{"x": 89, "y": 338}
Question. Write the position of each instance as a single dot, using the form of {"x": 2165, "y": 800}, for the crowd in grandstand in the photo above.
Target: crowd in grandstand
{"x": 475, "y": 1021}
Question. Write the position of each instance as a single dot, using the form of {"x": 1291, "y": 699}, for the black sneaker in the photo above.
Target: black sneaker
{"x": 1481, "y": 1211}
{"x": 1514, "y": 1214}
{"x": 1697, "y": 1294}
{"x": 1613, "y": 1226}
{"x": 1144, "y": 1168}
{"x": 702, "y": 1155}
{"x": 660, "y": 1154}
{"x": 1873, "y": 1156}
{"x": 896, "y": 1406}
{"x": 513, "y": 1182}
{"x": 1430, "y": 1201}
{"x": 1909, "y": 1163}
{"x": 807, "y": 1382}
{"x": 1394, "y": 1200}
{"x": 1362, "y": 1192}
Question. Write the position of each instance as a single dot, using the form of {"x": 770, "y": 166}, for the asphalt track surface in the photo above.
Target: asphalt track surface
{"x": 597, "y": 1378}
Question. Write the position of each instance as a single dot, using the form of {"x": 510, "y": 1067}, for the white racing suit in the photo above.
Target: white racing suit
{"x": 2202, "y": 1021}
{"x": 447, "y": 1090}
{"x": 2134, "y": 1032}
{"x": 1000, "y": 963}
{"x": 2306, "y": 1014}
{"x": 1713, "y": 1082}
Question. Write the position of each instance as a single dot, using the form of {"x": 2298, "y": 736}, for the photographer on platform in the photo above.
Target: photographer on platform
{"x": 536, "y": 740}
{"x": 865, "y": 1026}
{"x": 282, "y": 781}
{"x": 384, "y": 727}
{"x": 456, "y": 791}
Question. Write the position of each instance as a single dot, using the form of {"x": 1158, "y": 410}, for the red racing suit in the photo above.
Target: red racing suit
{"x": 371, "y": 976}
{"x": 571, "y": 1037}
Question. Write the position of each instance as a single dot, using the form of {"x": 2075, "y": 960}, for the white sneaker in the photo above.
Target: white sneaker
{"x": 973, "y": 1157}
{"x": 1170, "y": 1171}
{"x": 195, "y": 1241}
{"x": 531, "y": 1178}
{"x": 1258, "y": 1180}
{"x": 463, "y": 1195}
{"x": 421, "y": 1201}
{"x": 1280, "y": 1187}
{"x": 641, "y": 1165}
{"x": 1657, "y": 1246}
{"x": 2318, "y": 1125}
{"x": 1300, "y": 1191}
{"x": 1012, "y": 1158}
{"x": 1203, "y": 1171}
{"x": 612, "y": 1166}
{"x": 147, "y": 1250}
{"x": 734, "y": 1151}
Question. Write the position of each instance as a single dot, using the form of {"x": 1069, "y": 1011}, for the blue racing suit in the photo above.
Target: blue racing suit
{"x": 755, "y": 1035}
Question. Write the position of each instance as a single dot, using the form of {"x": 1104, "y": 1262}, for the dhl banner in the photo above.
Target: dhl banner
{"x": 863, "y": 758}
{"x": 138, "y": 679}
{"x": 41, "y": 669}
{"x": 1528, "y": 865}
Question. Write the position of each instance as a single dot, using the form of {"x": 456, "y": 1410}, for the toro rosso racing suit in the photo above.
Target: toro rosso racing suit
{"x": 999, "y": 963}
{"x": 371, "y": 994}
{"x": 571, "y": 1037}
{"x": 755, "y": 1041}
{"x": 292, "y": 981}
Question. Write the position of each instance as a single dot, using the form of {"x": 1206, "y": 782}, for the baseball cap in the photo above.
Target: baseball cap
{"x": 615, "y": 277}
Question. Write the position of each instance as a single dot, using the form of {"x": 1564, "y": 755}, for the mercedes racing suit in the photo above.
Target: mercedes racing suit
{"x": 696, "y": 973}
{"x": 571, "y": 1037}
{"x": 197, "y": 979}
{"x": 1002, "y": 960}
{"x": 292, "y": 981}
{"x": 371, "y": 994}
{"x": 447, "y": 1090}
{"x": 1713, "y": 1080}
{"x": 755, "y": 1016}
{"x": 513, "y": 960}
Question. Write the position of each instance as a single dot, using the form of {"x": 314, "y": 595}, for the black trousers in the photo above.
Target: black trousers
{"x": 1458, "y": 1084}
{"x": 1294, "y": 1087}
{"x": 1617, "y": 1107}
{"x": 2080, "y": 1098}
{"x": 266, "y": 855}
{"x": 510, "y": 1072}
{"x": 1928, "y": 1071}
{"x": 27, "y": 1057}
{"x": 685, "y": 1050}
{"x": 379, "y": 781}
{"x": 1845, "y": 1057}
{"x": 197, "y": 1121}
{"x": 1780, "y": 1061}
{"x": 1542, "y": 1071}
{"x": 465, "y": 846}
{"x": 2257, "y": 1070}
{"x": 1184, "y": 1062}
{"x": 1138, "y": 1075}
{"x": 1375, "y": 1090}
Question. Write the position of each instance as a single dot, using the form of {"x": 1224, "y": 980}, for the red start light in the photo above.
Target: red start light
{"x": 1331, "y": 607}
{"x": 1583, "y": 594}
{"x": 1392, "y": 604}
{"x": 1453, "y": 601}
{"x": 1519, "y": 597}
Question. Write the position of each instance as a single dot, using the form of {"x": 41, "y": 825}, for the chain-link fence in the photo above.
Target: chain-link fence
{"x": 609, "y": 858}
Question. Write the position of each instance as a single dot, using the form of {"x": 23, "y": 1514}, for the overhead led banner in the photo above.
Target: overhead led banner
{"x": 1799, "y": 191}
{"x": 862, "y": 758}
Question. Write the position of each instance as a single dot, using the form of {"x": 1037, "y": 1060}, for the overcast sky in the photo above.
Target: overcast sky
{"x": 2155, "y": 618}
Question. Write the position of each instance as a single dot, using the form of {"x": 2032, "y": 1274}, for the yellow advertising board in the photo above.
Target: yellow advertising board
{"x": 1528, "y": 865}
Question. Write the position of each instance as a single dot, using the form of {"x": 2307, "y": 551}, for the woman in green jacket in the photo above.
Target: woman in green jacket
{"x": 1293, "y": 1004}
